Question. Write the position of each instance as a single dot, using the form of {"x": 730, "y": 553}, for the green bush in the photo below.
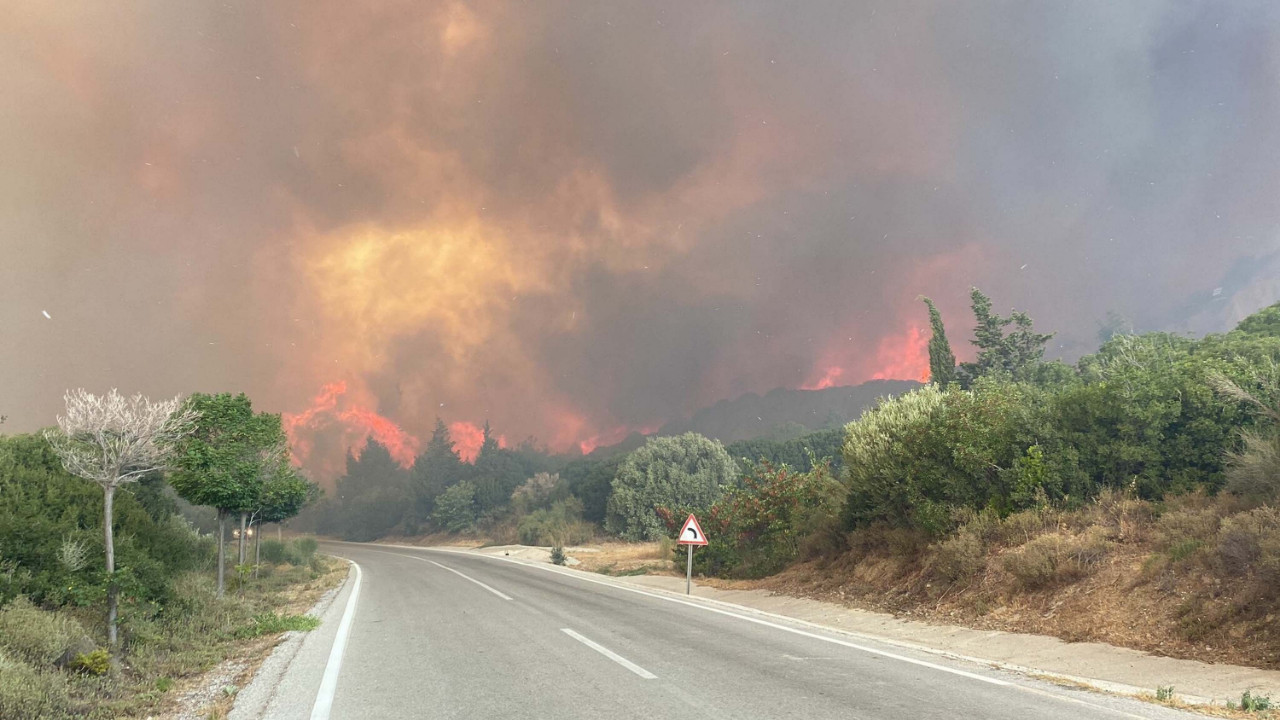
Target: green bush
{"x": 305, "y": 547}
{"x": 40, "y": 638}
{"x": 756, "y": 529}
{"x": 557, "y": 555}
{"x": 30, "y": 694}
{"x": 275, "y": 552}
{"x": 679, "y": 474}
{"x": 271, "y": 623}
{"x": 456, "y": 507}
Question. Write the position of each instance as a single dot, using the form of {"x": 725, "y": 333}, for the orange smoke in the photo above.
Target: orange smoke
{"x": 356, "y": 424}
{"x": 829, "y": 378}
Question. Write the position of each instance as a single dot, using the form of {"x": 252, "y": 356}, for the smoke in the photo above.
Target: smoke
{"x": 578, "y": 220}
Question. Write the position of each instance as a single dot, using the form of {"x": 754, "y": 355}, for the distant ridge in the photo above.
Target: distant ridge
{"x": 779, "y": 414}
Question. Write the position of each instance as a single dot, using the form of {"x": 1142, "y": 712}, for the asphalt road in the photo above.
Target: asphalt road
{"x": 437, "y": 634}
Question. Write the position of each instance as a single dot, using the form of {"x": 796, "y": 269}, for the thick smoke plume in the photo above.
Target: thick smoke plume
{"x": 579, "y": 219}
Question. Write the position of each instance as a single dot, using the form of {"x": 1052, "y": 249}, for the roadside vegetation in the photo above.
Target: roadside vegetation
{"x": 1010, "y": 491}
{"x": 110, "y": 601}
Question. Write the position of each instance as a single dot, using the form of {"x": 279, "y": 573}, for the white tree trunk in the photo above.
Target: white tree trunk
{"x": 242, "y": 538}
{"x": 222, "y": 551}
{"x": 108, "y": 499}
{"x": 257, "y": 551}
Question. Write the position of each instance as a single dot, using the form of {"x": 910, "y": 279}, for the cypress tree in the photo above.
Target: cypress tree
{"x": 942, "y": 362}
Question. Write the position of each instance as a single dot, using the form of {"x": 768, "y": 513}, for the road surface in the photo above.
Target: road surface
{"x": 439, "y": 634}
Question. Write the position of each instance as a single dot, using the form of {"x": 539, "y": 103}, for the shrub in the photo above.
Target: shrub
{"x": 1054, "y": 557}
{"x": 270, "y": 623}
{"x": 1249, "y": 544}
{"x": 678, "y": 473}
{"x": 958, "y": 557}
{"x": 558, "y": 525}
{"x": 456, "y": 507}
{"x": 557, "y": 555}
{"x": 29, "y": 694}
{"x": 275, "y": 552}
{"x": 755, "y": 530}
{"x": 97, "y": 662}
{"x": 305, "y": 547}
{"x": 38, "y": 637}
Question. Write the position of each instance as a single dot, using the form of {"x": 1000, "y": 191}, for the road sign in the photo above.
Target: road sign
{"x": 691, "y": 533}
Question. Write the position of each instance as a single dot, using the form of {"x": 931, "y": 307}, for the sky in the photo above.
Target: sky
{"x": 577, "y": 219}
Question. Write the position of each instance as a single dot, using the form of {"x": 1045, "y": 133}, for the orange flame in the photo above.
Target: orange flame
{"x": 903, "y": 357}
{"x": 357, "y": 424}
{"x": 468, "y": 437}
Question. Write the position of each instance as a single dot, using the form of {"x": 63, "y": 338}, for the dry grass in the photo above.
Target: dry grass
{"x": 620, "y": 558}
{"x": 1122, "y": 571}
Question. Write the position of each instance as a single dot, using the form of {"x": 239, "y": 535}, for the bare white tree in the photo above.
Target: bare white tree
{"x": 112, "y": 440}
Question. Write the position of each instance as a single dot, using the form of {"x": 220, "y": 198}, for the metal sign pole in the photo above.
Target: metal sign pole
{"x": 688, "y": 573}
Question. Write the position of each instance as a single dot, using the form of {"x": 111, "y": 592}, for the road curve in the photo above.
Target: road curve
{"x": 439, "y": 634}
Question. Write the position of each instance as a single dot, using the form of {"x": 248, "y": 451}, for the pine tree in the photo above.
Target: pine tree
{"x": 942, "y": 362}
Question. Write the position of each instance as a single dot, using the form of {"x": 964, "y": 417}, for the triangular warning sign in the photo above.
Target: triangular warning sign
{"x": 691, "y": 533}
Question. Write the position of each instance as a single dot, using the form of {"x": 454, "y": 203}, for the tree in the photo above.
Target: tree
{"x": 372, "y": 497}
{"x": 677, "y": 473}
{"x": 112, "y": 440}
{"x": 435, "y": 470}
{"x": 1015, "y": 354}
{"x": 284, "y": 493}
{"x": 222, "y": 463}
{"x": 456, "y": 507}
{"x": 942, "y": 362}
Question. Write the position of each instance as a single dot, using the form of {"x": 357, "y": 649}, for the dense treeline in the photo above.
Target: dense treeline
{"x": 1004, "y": 433}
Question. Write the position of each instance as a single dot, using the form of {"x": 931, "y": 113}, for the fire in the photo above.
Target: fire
{"x": 829, "y": 378}
{"x": 468, "y": 437}
{"x": 356, "y": 424}
{"x": 903, "y": 357}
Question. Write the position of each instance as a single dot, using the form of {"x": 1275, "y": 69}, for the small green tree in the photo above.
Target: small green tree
{"x": 456, "y": 507}
{"x": 283, "y": 495}
{"x": 1015, "y": 353}
{"x": 942, "y": 362}
{"x": 676, "y": 473}
{"x": 222, "y": 464}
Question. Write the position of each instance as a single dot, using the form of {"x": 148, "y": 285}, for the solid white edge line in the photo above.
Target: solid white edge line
{"x": 499, "y": 593}
{"x": 329, "y": 683}
{"x": 610, "y": 654}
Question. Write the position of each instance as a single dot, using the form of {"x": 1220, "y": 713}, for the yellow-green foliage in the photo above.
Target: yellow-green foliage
{"x": 38, "y": 637}
{"x": 97, "y": 662}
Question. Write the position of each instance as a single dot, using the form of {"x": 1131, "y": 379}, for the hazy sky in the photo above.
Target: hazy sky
{"x": 579, "y": 218}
